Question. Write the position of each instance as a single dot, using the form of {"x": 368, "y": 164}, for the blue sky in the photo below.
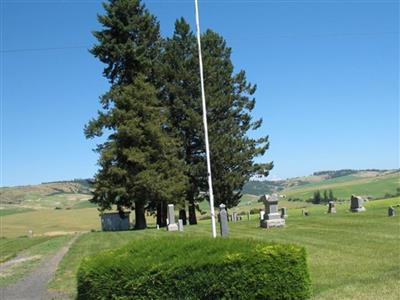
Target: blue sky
{"x": 327, "y": 75}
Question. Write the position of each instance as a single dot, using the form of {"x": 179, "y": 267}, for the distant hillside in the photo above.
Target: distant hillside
{"x": 49, "y": 194}
{"x": 373, "y": 183}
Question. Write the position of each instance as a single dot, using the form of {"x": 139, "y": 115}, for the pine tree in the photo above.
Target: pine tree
{"x": 138, "y": 162}
{"x": 182, "y": 96}
{"x": 326, "y": 199}
{"x": 331, "y": 197}
{"x": 317, "y": 197}
{"x": 229, "y": 101}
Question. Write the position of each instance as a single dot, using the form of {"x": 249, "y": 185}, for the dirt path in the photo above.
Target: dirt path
{"x": 34, "y": 285}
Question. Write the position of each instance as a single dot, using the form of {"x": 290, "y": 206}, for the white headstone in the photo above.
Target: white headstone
{"x": 172, "y": 226}
{"x": 180, "y": 225}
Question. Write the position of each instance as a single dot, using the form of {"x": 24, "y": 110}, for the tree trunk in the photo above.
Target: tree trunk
{"x": 162, "y": 214}
{"x": 182, "y": 216}
{"x": 192, "y": 214}
{"x": 140, "y": 218}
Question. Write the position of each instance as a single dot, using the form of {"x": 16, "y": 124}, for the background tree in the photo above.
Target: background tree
{"x": 181, "y": 94}
{"x": 317, "y": 197}
{"x": 326, "y": 199}
{"x": 229, "y": 102}
{"x": 331, "y": 197}
{"x": 138, "y": 162}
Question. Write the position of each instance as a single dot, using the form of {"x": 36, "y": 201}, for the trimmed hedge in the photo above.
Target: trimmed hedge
{"x": 179, "y": 267}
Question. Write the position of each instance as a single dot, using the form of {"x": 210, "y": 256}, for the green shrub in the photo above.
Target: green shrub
{"x": 179, "y": 267}
{"x": 254, "y": 211}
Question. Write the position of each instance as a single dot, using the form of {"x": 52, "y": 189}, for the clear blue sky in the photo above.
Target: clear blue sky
{"x": 327, "y": 75}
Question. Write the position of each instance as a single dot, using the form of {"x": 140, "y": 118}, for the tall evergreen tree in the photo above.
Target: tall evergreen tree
{"x": 330, "y": 196}
{"x": 182, "y": 96}
{"x": 138, "y": 162}
{"x": 229, "y": 101}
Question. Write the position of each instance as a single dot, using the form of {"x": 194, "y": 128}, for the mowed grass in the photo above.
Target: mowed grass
{"x": 31, "y": 251}
{"x": 50, "y": 221}
{"x": 351, "y": 256}
{"x": 10, "y": 247}
{"x": 344, "y": 187}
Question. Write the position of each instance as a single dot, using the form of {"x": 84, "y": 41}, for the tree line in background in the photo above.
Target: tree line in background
{"x": 154, "y": 152}
{"x": 325, "y": 198}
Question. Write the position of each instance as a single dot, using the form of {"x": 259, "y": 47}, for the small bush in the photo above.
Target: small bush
{"x": 254, "y": 211}
{"x": 196, "y": 268}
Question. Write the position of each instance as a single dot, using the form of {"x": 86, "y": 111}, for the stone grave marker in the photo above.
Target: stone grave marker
{"x": 272, "y": 216}
{"x": 180, "y": 224}
{"x": 391, "y": 211}
{"x": 262, "y": 213}
{"x": 356, "y": 204}
{"x": 284, "y": 212}
{"x": 223, "y": 216}
{"x": 331, "y": 207}
{"x": 234, "y": 217}
{"x": 171, "y": 218}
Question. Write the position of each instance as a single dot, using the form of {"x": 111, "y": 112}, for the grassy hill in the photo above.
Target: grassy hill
{"x": 60, "y": 195}
{"x": 343, "y": 183}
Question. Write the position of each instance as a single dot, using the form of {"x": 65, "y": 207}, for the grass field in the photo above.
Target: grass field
{"x": 31, "y": 251}
{"x": 344, "y": 187}
{"x": 351, "y": 256}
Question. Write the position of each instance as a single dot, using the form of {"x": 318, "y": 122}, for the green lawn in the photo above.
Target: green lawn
{"x": 351, "y": 256}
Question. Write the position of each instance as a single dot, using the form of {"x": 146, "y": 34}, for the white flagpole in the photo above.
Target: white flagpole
{"x": 203, "y": 99}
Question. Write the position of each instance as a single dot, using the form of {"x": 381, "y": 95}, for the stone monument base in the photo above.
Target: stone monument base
{"x": 272, "y": 223}
{"x": 360, "y": 209}
{"x": 172, "y": 227}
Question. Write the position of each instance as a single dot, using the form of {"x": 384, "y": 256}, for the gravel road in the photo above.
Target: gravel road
{"x": 34, "y": 285}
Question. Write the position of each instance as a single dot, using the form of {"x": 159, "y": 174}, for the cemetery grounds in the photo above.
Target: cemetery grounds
{"x": 350, "y": 256}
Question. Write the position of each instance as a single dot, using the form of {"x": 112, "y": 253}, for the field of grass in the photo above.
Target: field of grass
{"x": 351, "y": 256}
{"x": 50, "y": 221}
{"x": 344, "y": 187}
{"x": 13, "y": 210}
{"x": 32, "y": 252}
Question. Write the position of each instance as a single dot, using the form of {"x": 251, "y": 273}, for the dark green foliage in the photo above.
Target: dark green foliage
{"x": 129, "y": 43}
{"x": 317, "y": 197}
{"x": 139, "y": 163}
{"x": 229, "y": 104}
{"x": 201, "y": 268}
{"x": 230, "y": 100}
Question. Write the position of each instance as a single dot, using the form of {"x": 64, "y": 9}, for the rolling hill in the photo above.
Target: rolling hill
{"x": 343, "y": 183}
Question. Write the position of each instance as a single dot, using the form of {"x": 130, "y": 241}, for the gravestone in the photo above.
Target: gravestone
{"x": 331, "y": 207}
{"x": 272, "y": 216}
{"x": 158, "y": 227}
{"x": 180, "y": 225}
{"x": 356, "y": 204}
{"x": 234, "y": 217}
{"x": 391, "y": 211}
{"x": 223, "y": 216}
{"x": 262, "y": 213}
{"x": 171, "y": 218}
{"x": 182, "y": 216}
{"x": 115, "y": 221}
{"x": 284, "y": 212}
